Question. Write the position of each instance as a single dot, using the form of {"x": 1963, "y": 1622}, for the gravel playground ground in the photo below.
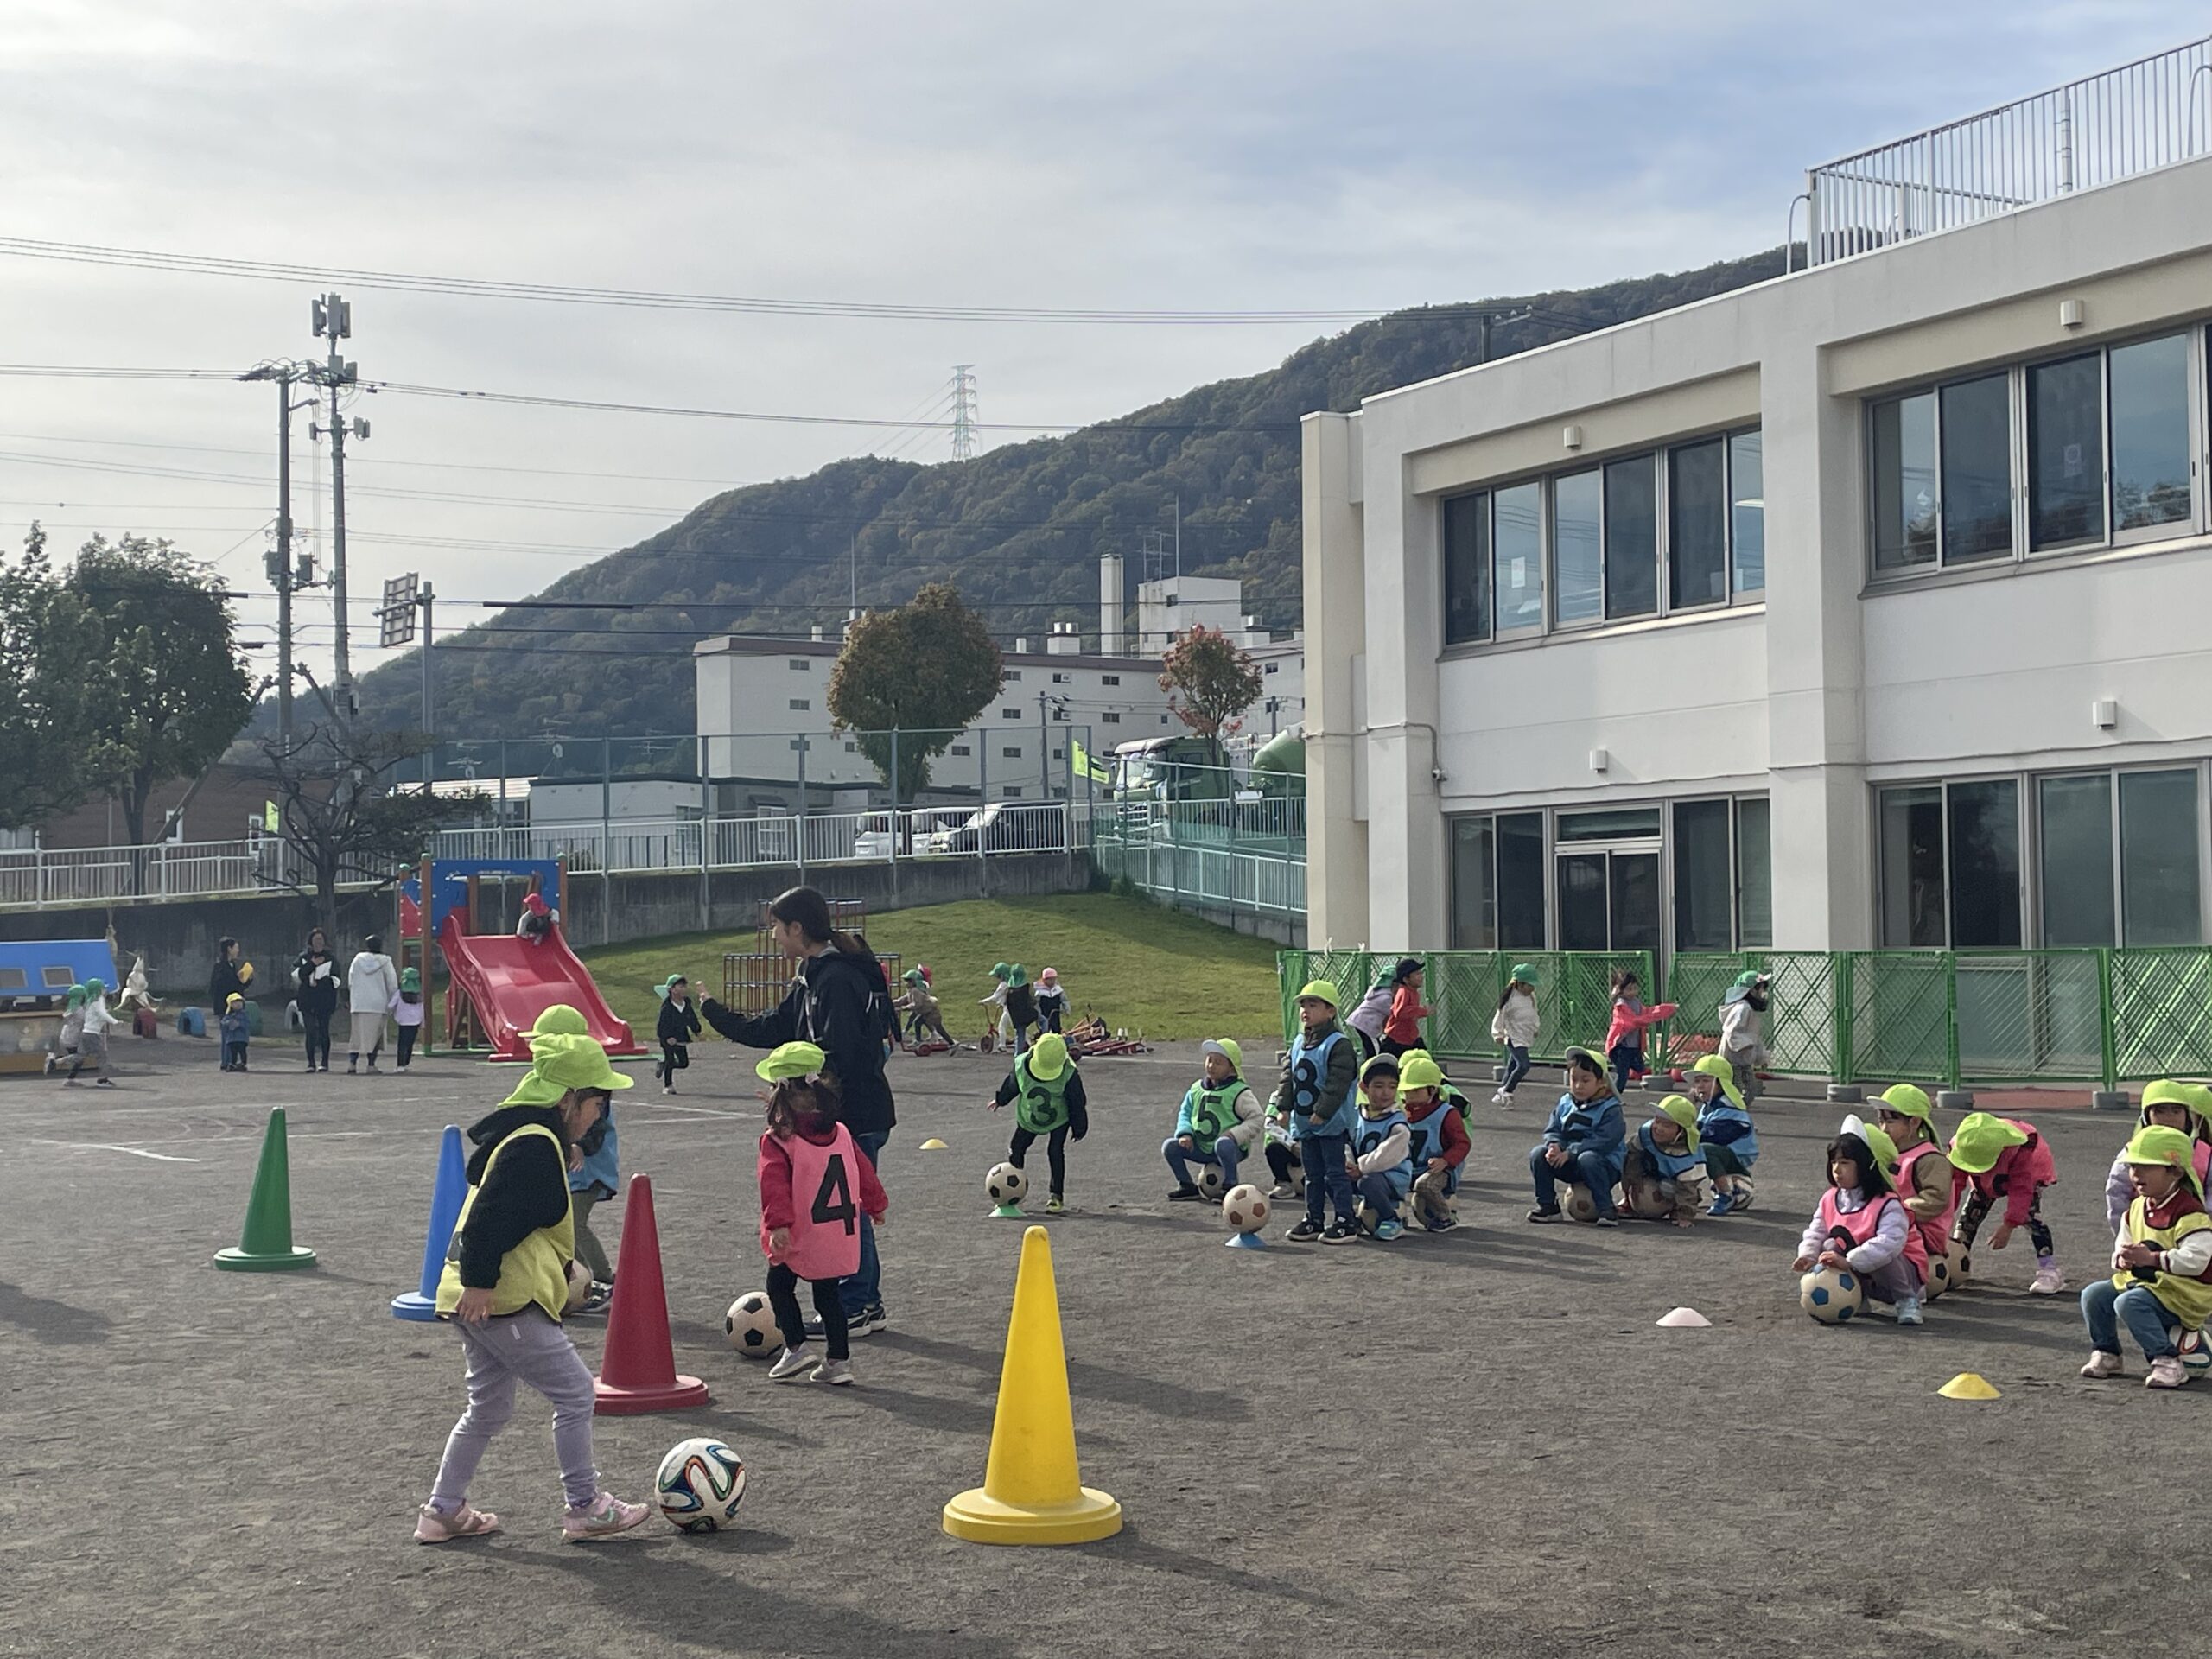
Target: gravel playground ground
{"x": 1479, "y": 1441}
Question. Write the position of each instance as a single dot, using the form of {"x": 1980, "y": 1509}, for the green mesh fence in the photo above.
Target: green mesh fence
{"x": 2161, "y": 1021}
{"x": 1900, "y": 1024}
{"x": 1351, "y": 971}
{"x": 1696, "y": 985}
{"x": 1462, "y": 987}
{"x": 2030, "y": 1016}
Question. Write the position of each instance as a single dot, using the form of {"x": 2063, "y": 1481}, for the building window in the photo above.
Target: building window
{"x": 2066, "y": 453}
{"x": 1697, "y": 527}
{"x": 1904, "y": 482}
{"x": 1009, "y": 713}
{"x": 852, "y": 748}
{"x": 2150, "y": 446}
{"x": 1498, "y": 882}
{"x": 1012, "y": 792}
{"x": 801, "y": 702}
{"x": 1704, "y": 877}
{"x": 1950, "y": 865}
{"x": 1011, "y": 674}
{"x": 1516, "y": 541}
{"x": 2117, "y": 858}
{"x": 801, "y": 665}
{"x": 1754, "y": 874}
{"x": 1109, "y": 718}
{"x": 1270, "y": 668}
{"x": 1014, "y": 753}
{"x": 1975, "y": 430}
{"x": 1747, "y": 510}
{"x": 1059, "y": 679}
{"x": 1632, "y": 537}
{"x": 1466, "y": 569}
{"x": 796, "y": 742}
{"x": 1578, "y": 569}
{"x": 1109, "y": 679}
{"x": 961, "y": 749}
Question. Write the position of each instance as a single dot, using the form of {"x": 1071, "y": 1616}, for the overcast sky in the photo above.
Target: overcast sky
{"x": 1211, "y": 157}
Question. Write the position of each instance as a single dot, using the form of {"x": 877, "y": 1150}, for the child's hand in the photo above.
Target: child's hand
{"x": 1803, "y": 1264}
{"x": 1316, "y": 1120}
{"x": 2140, "y": 1256}
{"x": 1833, "y": 1259}
{"x": 780, "y": 1241}
{"x": 1187, "y": 1142}
{"x": 2003, "y": 1236}
{"x": 1437, "y": 1165}
{"x": 996, "y": 1104}
{"x": 881, "y": 1219}
{"x": 575, "y": 1158}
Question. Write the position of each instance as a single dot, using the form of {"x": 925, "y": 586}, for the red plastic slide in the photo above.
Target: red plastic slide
{"x": 510, "y": 981}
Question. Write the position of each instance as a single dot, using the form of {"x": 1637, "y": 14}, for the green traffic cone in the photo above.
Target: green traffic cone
{"x": 266, "y": 1244}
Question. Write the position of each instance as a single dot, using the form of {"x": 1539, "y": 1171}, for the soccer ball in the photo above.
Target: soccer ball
{"x": 1832, "y": 1295}
{"x": 1579, "y": 1205}
{"x": 1962, "y": 1259}
{"x": 1648, "y": 1201}
{"x": 1245, "y": 1209}
{"x": 1743, "y": 1195}
{"x": 700, "y": 1485}
{"x": 2196, "y": 1356}
{"x": 1005, "y": 1185}
{"x": 1939, "y": 1277}
{"x": 750, "y": 1325}
{"x": 579, "y": 1286}
{"x": 1212, "y": 1182}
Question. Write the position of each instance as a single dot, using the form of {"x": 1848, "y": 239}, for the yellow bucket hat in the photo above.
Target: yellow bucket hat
{"x": 1417, "y": 1070}
{"x": 1981, "y": 1140}
{"x": 2160, "y": 1144}
{"x": 1228, "y": 1048}
{"x": 1681, "y": 1110}
{"x": 558, "y": 1019}
{"x": 1321, "y": 990}
{"x": 1724, "y": 1074}
{"x": 2192, "y": 1097}
{"x": 560, "y": 1062}
{"x": 1878, "y": 1143}
{"x": 1048, "y": 1057}
{"x": 789, "y": 1061}
{"x": 1906, "y": 1100}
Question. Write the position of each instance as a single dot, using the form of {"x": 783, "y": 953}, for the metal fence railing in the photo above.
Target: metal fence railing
{"x": 1217, "y": 878}
{"x": 2110, "y": 126}
{"x": 35, "y": 877}
{"x": 1952, "y": 1019}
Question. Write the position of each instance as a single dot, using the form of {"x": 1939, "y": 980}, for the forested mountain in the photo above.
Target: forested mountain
{"x": 1019, "y": 530}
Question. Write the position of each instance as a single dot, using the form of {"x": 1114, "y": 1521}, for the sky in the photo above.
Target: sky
{"x": 1221, "y": 157}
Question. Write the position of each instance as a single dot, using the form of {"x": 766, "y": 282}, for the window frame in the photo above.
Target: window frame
{"x": 1660, "y": 456}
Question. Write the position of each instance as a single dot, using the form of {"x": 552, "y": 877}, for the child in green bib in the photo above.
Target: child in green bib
{"x": 1046, "y": 1094}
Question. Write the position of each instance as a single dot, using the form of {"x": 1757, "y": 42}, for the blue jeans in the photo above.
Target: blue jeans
{"x": 1584, "y": 1169}
{"x": 864, "y": 1289}
{"x": 1223, "y": 1152}
{"x": 1516, "y": 1067}
{"x": 1381, "y": 1192}
{"x": 2104, "y": 1304}
{"x": 1627, "y": 1058}
{"x": 1323, "y": 1156}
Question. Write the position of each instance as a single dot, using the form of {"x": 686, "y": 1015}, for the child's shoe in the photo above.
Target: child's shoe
{"x": 838, "y": 1372}
{"x": 1553, "y": 1214}
{"x": 793, "y": 1361}
{"x": 1186, "y": 1194}
{"x": 436, "y": 1527}
{"x": 2048, "y": 1280}
{"x": 1341, "y": 1231}
{"x": 1721, "y": 1205}
{"x": 1306, "y": 1232}
{"x": 1908, "y": 1310}
{"x": 2166, "y": 1372}
{"x": 1387, "y": 1230}
{"x": 1442, "y": 1221}
{"x": 668, "y": 1088}
{"x": 1605, "y": 1221}
{"x": 604, "y": 1515}
{"x": 2101, "y": 1364}
{"x": 1500, "y": 1098}
{"x": 104, "y": 1083}
{"x": 49, "y": 1066}
{"x": 1055, "y": 1204}
{"x": 1282, "y": 1190}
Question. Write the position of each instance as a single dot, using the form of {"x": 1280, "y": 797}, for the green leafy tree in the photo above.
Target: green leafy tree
{"x": 170, "y": 687}
{"x": 926, "y": 669}
{"x": 340, "y": 817}
{"x": 1209, "y": 681}
{"x": 50, "y": 745}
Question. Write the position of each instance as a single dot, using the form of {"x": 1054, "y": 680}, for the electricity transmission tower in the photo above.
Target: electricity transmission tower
{"x": 963, "y": 412}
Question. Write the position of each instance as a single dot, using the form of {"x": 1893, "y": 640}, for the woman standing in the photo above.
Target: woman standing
{"x": 315, "y": 979}
{"x": 371, "y": 984}
{"x": 839, "y": 1003}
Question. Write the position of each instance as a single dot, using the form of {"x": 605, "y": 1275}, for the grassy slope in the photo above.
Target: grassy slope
{"x": 1138, "y": 965}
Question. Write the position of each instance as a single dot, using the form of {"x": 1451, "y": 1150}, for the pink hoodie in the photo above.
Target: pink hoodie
{"x": 2018, "y": 1173}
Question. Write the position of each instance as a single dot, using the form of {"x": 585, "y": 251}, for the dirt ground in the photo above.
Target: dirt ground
{"x": 1477, "y": 1441}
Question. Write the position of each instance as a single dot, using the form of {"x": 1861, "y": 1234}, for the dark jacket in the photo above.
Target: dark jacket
{"x": 223, "y": 984}
{"x": 317, "y": 995}
{"x": 678, "y": 1024}
{"x": 839, "y": 1003}
{"x": 528, "y": 1191}
{"x": 1021, "y": 1005}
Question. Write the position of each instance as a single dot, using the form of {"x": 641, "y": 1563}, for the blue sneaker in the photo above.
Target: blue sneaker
{"x": 1387, "y": 1230}
{"x": 1721, "y": 1205}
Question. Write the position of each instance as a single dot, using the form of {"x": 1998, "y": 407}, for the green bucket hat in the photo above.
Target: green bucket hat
{"x": 94, "y": 990}
{"x": 1981, "y": 1140}
{"x": 2161, "y": 1144}
{"x": 558, "y": 1019}
{"x": 1048, "y": 1057}
{"x": 789, "y": 1060}
{"x": 1016, "y": 975}
{"x": 1525, "y": 972}
{"x": 1001, "y": 970}
{"x": 1321, "y": 990}
{"x": 2192, "y": 1097}
{"x": 410, "y": 979}
{"x": 1724, "y": 1074}
{"x": 1681, "y": 1110}
{"x": 912, "y": 976}
{"x": 77, "y": 997}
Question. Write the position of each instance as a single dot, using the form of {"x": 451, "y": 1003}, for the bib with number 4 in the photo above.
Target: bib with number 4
{"x": 825, "y": 1208}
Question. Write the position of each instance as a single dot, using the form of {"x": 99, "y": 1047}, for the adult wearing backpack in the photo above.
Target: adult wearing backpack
{"x": 839, "y": 1003}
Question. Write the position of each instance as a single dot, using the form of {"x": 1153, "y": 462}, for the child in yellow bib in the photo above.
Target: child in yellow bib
{"x": 2162, "y": 1263}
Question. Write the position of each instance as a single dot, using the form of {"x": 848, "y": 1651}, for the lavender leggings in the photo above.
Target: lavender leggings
{"x": 531, "y": 1348}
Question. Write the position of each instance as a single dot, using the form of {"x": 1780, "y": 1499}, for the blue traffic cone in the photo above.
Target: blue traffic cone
{"x": 446, "y": 1194}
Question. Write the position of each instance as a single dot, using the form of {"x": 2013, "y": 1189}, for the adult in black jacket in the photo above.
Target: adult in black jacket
{"x": 223, "y": 980}
{"x": 840, "y": 1003}
{"x": 315, "y": 981}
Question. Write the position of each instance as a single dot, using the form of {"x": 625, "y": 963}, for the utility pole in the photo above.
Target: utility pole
{"x": 280, "y": 574}
{"x": 426, "y": 598}
{"x": 963, "y": 412}
{"x": 1045, "y": 710}
{"x": 333, "y": 321}
{"x": 1484, "y": 319}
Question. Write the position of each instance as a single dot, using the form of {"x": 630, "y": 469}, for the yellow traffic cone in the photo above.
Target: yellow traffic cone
{"x": 1031, "y": 1493}
{"x": 1968, "y": 1385}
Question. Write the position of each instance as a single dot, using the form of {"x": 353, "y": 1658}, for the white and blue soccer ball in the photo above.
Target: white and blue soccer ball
{"x": 700, "y": 1485}
{"x": 1832, "y": 1295}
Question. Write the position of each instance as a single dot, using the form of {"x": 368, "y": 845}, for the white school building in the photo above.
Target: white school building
{"x": 1867, "y": 607}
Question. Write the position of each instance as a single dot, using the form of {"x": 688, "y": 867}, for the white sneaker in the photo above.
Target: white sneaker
{"x": 793, "y": 1363}
{"x": 836, "y": 1371}
{"x": 2048, "y": 1281}
{"x": 1500, "y": 1098}
{"x": 2101, "y": 1364}
{"x": 1281, "y": 1190}
{"x": 2166, "y": 1372}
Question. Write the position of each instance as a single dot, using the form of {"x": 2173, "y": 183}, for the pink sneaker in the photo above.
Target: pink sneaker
{"x": 603, "y": 1517}
{"x": 2166, "y": 1373}
{"x": 2049, "y": 1280}
{"x": 436, "y": 1527}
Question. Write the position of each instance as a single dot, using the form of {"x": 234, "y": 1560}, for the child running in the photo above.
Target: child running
{"x": 505, "y": 1286}
{"x": 1381, "y": 1146}
{"x": 814, "y": 1186}
{"x": 73, "y": 1029}
{"x": 1926, "y": 1184}
{"x": 91, "y": 1037}
{"x": 1402, "y": 1029}
{"x": 2183, "y": 1106}
{"x": 1583, "y": 1144}
{"x": 2161, "y": 1259}
{"x": 1743, "y": 1022}
{"x": 237, "y": 1031}
{"x": 677, "y": 1024}
{"x": 2005, "y": 1158}
{"x": 1217, "y": 1123}
{"x": 1318, "y": 1099}
{"x": 1624, "y": 1037}
{"x": 407, "y": 1012}
{"x": 1860, "y": 1224}
{"x": 1367, "y": 1020}
{"x": 1437, "y": 1139}
{"x": 1047, "y": 1093}
{"x": 1724, "y": 1129}
{"x": 1514, "y": 1027}
{"x": 1663, "y": 1175}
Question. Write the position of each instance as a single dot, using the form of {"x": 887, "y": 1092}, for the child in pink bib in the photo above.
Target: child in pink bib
{"x": 814, "y": 1187}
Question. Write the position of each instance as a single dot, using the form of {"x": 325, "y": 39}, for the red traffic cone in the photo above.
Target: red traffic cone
{"x": 637, "y": 1373}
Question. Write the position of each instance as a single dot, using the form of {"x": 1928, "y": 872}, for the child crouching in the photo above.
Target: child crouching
{"x": 2162, "y": 1263}
{"x": 1437, "y": 1132}
{"x": 1860, "y": 1224}
{"x": 1381, "y": 1147}
{"x": 1663, "y": 1176}
{"x": 1217, "y": 1123}
{"x": 1582, "y": 1144}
